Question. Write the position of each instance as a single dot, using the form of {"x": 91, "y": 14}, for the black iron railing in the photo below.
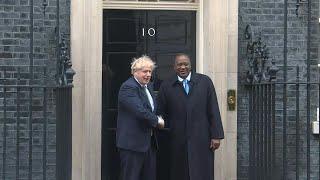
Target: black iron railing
{"x": 261, "y": 130}
{"x": 35, "y": 125}
{"x": 280, "y": 138}
{"x": 64, "y": 132}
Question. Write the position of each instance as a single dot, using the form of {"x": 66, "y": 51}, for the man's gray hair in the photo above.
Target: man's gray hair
{"x": 142, "y": 62}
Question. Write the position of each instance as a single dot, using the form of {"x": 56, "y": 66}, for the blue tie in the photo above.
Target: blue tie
{"x": 186, "y": 86}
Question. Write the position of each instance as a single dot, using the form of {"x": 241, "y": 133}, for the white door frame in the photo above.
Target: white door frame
{"x": 216, "y": 49}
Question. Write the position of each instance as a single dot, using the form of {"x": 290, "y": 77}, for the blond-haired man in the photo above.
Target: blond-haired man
{"x": 136, "y": 121}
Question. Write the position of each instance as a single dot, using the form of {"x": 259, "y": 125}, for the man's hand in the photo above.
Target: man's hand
{"x": 215, "y": 144}
{"x": 160, "y": 122}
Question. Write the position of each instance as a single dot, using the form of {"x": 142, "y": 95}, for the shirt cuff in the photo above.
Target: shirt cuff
{"x": 160, "y": 120}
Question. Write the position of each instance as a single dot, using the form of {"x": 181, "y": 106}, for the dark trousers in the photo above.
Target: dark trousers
{"x": 138, "y": 165}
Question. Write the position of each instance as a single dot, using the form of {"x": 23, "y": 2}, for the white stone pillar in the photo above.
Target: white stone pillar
{"x": 220, "y": 57}
{"x": 86, "y": 56}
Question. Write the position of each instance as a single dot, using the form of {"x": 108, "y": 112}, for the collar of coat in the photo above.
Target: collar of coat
{"x": 194, "y": 79}
{"x": 140, "y": 85}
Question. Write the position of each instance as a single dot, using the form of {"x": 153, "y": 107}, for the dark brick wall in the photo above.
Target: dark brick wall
{"x": 267, "y": 17}
{"x": 15, "y": 48}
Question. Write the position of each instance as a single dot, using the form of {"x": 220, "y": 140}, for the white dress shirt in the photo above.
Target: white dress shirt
{"x": 188, "y": 78}
{"x": 145, "y": 87}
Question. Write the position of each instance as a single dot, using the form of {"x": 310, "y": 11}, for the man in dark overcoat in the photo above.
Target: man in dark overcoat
{"x": 189, "y": 104}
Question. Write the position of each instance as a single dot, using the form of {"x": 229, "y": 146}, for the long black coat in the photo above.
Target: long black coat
{"x": 194, "y": 120}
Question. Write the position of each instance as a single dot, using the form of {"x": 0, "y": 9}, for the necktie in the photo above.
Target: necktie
{"x": 149, "y": 97}
{"x": 186, "y": 86}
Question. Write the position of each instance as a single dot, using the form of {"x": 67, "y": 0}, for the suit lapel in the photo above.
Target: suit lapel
{"x": 193, "y": 83}
{"x": 178, "y": 86}
{"x": 143, "y": 94}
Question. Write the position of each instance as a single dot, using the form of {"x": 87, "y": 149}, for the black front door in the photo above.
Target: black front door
{"x": 132, "y": 33}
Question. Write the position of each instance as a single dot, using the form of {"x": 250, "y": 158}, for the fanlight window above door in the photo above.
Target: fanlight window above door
{"x": 188, "y": 1}
{"x": 152, "y": 4}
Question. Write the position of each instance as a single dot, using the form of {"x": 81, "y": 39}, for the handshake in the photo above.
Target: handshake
{"x": 160, "y": 122}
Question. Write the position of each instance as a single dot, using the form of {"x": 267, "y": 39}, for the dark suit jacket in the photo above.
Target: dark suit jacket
{"x": 135, "y": 117}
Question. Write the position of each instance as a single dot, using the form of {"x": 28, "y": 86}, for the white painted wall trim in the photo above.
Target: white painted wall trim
{"x": 199, "y": 38}
{"x": 86, "y": 56}
{"x": 216, "y": 52}
{"x": 150, "y": 5}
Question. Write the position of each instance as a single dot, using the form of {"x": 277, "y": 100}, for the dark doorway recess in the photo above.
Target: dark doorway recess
{"x": 132, "y": 33}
